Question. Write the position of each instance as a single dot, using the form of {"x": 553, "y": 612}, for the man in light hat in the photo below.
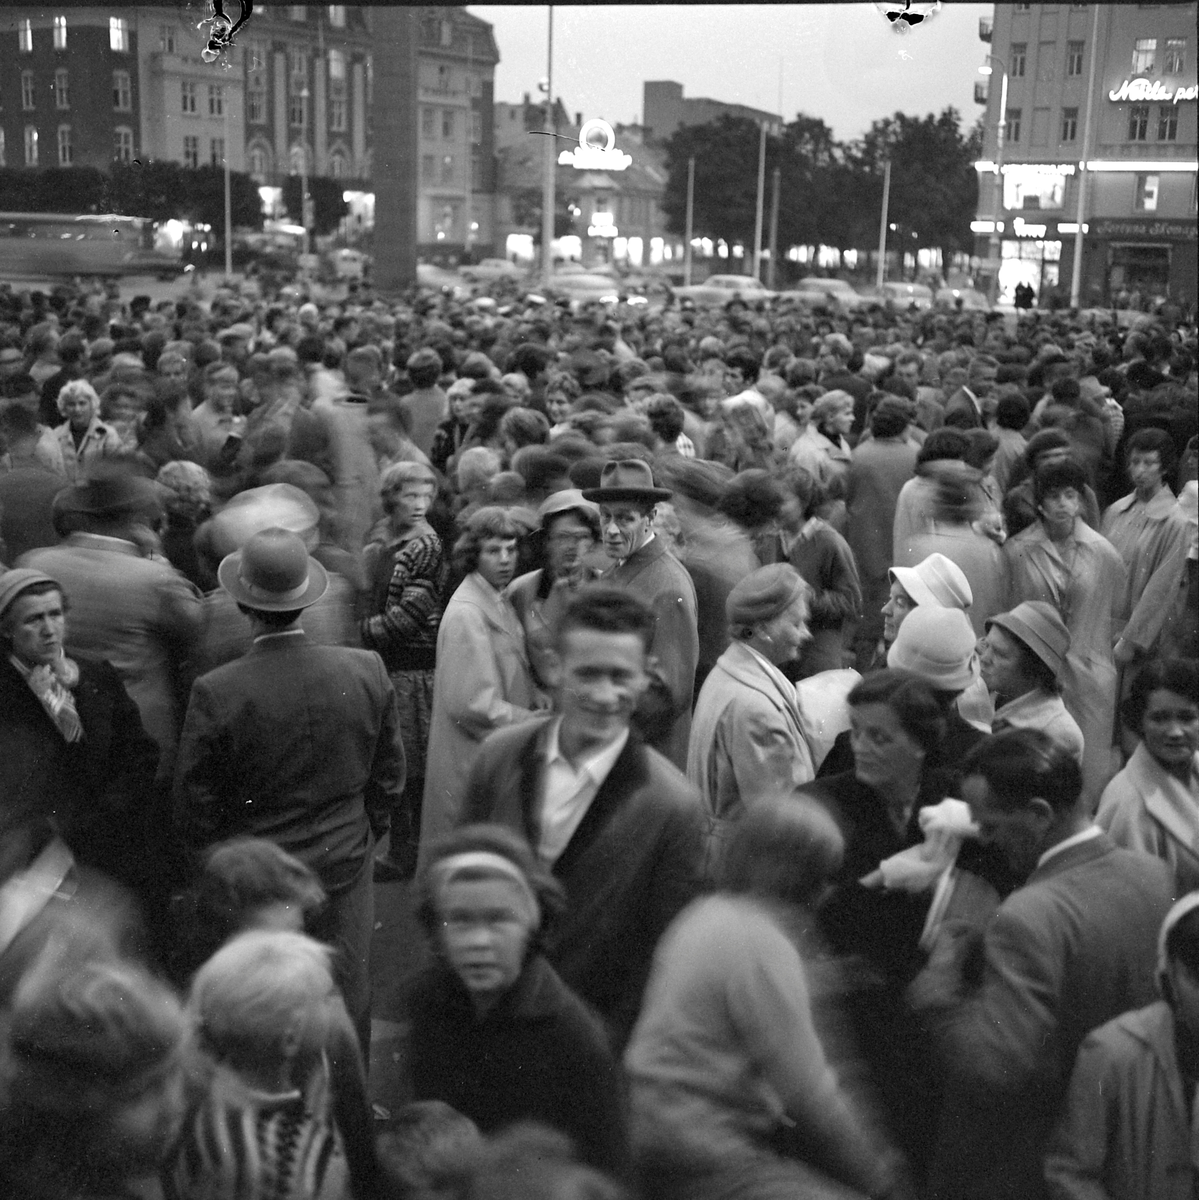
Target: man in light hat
{"x": 1021, "y": 659}
{"x": 747, "y": 742}
{"x": 296, "y": 743}
{"x": 627, "y": 499}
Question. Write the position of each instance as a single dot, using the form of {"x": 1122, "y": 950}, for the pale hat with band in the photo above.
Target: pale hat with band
{"x": 626, "y": 479}
{"x": 935, "y": 581}
{"x": 273, "y": 572}
{"x": 19, "y": 580}
{"x": 938, "y": 645}
{"x": 1040, "y": 627}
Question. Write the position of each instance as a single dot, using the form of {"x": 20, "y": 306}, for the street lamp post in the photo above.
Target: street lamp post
{"x": 1079, "y": 229}
{"x": 228, "y": 194}
{"x": 761, "y": 202}
{"x": 304, "y": 164}
{"x": 881, "y": 271}
{"x": 995, "y": 251}
{"x": 551, "y": 157}
{"x": 690, "y": 220}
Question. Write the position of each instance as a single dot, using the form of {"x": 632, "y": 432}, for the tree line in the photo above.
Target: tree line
{"x": 830, "y": 192}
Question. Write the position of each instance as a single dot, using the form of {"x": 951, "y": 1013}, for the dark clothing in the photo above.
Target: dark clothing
{"x": 26, "y": 498}
{"x": 539, "y": 1055}
{"x": 859, "y": 388}
{"x": 100, "y": 790}
{"x": 47, "y": 409}
{"x": 631, "y": 866}
{"x": 823, "y": 557}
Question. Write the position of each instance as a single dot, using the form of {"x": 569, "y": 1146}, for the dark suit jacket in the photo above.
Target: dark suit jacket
{"x": 631, "y": 866}
{"x": 296, "y": 743}
{"x": 99, "y": 791}
{"x": 1071, "y": 949}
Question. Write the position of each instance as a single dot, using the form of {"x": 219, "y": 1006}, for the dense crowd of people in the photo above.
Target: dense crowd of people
{"x": 784, "y": 723}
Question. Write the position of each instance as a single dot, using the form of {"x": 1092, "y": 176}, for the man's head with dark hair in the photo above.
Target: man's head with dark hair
{"x": 753, "y": 499}
{"x": 1151, "y": 441}
{"x": 1025, "y": 794}
{"x": 600, "y": 609}
{"x": 665, "y": 416}
{"x": 944, "y": 444}
{"x": 1057, "y": 477}
{"x": 310, "y": 349}
{"x": 743, "y": 359}
{"x": 1012, "y": 412}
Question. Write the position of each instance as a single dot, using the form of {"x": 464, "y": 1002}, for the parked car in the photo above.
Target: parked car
{"x": 348, "y": 263}
{"x": 583, "y": 287}
{"x": 720, "y": 289}
{"x": 972, "y": 300}
{"x": 834, "y": 293}
{"x": 908, "y": 295}
{"x": 487, "y": 270}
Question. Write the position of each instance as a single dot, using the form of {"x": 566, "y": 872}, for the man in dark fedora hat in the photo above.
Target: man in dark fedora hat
{"x": 128, "y": 604}
{"x": 297, "y": 743}
{"x": 627, "y": 498}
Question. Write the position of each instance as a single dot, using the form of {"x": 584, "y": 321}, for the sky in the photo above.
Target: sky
{"x": 842, "y": 62}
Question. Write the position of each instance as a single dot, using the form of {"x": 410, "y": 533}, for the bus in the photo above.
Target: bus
{"x": 56, "y": 245}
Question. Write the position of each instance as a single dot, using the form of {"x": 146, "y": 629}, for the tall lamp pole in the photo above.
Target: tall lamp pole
{"x": 690, "y": 220}
{"x": 995, "y": 251}
{"x": 304, "y": 164}
{"x": 551, "y": 156}
{"x": 1083, "y": 176}
{"x": 761, "y": 201}
{"x": 228, "y": 196}
{"x": 881, "y": 270}
{"x": 774, "y": 229}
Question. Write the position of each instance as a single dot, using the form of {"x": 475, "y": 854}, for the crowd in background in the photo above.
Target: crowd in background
{"x": 785, "y": 723}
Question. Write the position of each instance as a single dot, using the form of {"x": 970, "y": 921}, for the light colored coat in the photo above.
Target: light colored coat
{"x": 1124, "y": 1134}
{"x": 746, "y": 741}
{"x": 820, "y": 456}
{"x": 1145, "y": 808}
{"x": 1087, "y": 587}
{"x": 1153, "y": 540}
{"x": 98, "y": 441}
{"x": 482, "y": 683}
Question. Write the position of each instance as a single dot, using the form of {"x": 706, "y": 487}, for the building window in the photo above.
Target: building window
{"x": 187, "y": 97}
{"x": 295, "y": 110}
{"x": 447, "y": 124}
{"x": 337, "y": 166}
{"x": 474, "y": 86}
{"x": 1013, "y": 124}
{"x": 1138, "y": 123}
{"x": 1019, "y": 55}
{"x": 25, "y": 36}
{"x": 476, "y": 127}
{"x": 428, "y": 166}
{"x": 368, "y": 64}
{"x": 297, "y": 12}
{"x": 30, "y": 145}
{"x": 1167, "y": 123}
{"x": 191, "y": 151}
{"x": 258, "y": 162}
{"x": 337, "y": 66}
{"x": 1069, "y": 124}
{"x": 476, "y": 173}
{"x": 166, "y": 39}
{"x": 443, "y": 79}
{"x": 426, "y": 123}
{"x": 27, "y": 93}
{"x": 118, "y": 34}
{"x": 217, "y": 152}
{"x": 447, "y": 168}
{"x": 1046, "y": 53}
{"x": 1146, "y": 200}
{"x": 216, "y": 100}
{"x": 60, "y": 33}
{"x": 122, "y": 144}
{"x": 122, "y": 91}
{"x": 1174, "y": 59}
{"x": 298, "y": 69}
{"x": 1022, "y": 7}
{"x": 337, "y": 113}
{"x": 65, "y": 155}
{"x": 1143, "y": 55}
{"x": 256, "y": 105}
{"x": 447, "y": 33}
{"x": 256, "y": 56}
{"x": 1074, "y": 52}
{"x": 337, "y": 16}
{"x": 62, "y": 98}
{"x": 3, "y": 161}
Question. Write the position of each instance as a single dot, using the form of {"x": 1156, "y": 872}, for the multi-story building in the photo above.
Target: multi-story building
{"x": 617, "y": 214}
{"x": 1133, "y": 133}
{"x": 69, "y": 87}
{"x": 664, "y": 109}
{"x": 293, "y": 94}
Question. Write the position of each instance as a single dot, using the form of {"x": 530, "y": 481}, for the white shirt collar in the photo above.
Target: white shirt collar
{"x": 595, "y": 764}
{"x": 1076, "y": 839}
{"x": 262, "y": 637}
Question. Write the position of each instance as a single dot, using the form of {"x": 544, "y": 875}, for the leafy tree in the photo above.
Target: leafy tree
{"x": 526, "y": 211}
{"x": 328, "y": 207}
